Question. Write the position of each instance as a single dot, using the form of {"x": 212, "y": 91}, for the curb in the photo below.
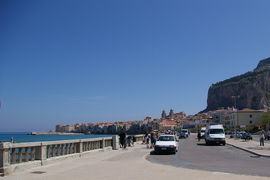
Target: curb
{"x": 249, "y": 151}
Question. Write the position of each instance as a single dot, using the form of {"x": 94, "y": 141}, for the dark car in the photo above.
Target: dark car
{"x": 246, "y": 136}
{"x": 182, "y": 135}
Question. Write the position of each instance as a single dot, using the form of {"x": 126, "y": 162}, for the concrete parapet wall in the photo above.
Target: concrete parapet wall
{"x": 21, "y": 156}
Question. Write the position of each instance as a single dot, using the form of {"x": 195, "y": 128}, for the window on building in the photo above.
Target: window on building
{"x": 250, "y": 122}
{"x": 250, "y": 115}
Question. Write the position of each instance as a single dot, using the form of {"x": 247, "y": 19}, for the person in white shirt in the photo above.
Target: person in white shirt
{"x": 262, "y": 138}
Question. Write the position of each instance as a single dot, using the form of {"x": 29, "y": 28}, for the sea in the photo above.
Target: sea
{"x": 19, "y": 137}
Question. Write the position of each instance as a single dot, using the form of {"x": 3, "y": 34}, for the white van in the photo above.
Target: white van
{"x": 203, "y": 129}
{"x": 185, "y": 131}
{"x": 215, "y": 134}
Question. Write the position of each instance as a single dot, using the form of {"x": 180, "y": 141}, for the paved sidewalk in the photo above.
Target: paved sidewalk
{"x": 119, "y": 165}
{"x": 250, "y": 146}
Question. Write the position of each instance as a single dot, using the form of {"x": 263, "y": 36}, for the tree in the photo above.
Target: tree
{"x": 265, "y": 120}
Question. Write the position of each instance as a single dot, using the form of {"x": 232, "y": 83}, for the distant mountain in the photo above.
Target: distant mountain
{"x": 251, "y": 90}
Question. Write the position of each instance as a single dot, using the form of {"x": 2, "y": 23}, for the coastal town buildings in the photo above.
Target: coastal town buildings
{"x": 229, "y": 117}
{"x": 166, "y": 122}
{"x": 171, "y": 121}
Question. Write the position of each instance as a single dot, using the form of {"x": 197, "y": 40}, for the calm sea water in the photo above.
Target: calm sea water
{"x": 23, "y": 137}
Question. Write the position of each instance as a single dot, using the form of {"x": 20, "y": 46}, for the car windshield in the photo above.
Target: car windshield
{"x": 202, "y": 130}
{"x": 166, "y": 138}
{"x": 184, "y": 131}
{"x": 216, "y": 131}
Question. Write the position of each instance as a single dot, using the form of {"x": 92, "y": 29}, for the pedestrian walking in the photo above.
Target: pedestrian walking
{"x": 145, "y": 138}
{"x": 129, "y": 141}
{"x": 153, "y": 140}
{"x": 125, "y": 139}
{"x": 148, "y": 141}
{"x": 122, "y": 135}
{"x": 262, "y": 138}
{"x": 199, "y": 136}
{"x": 268, "y": 135}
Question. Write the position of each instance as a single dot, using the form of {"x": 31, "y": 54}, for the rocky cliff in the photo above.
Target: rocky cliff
{"x": 251, "y": 90}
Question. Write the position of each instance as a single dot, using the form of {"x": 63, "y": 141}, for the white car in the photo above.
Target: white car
{"x": 166, "y": 143}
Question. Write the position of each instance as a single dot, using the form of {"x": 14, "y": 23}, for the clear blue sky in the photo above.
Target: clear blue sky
{"x": 89, "y": 61}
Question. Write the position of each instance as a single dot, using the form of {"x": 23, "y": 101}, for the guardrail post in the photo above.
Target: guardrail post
{"x": 115, "y": 144}
{"x": 139, "y": 138}
{"x": 80, "y": 147}
{"x": 103, "y": 143}
{"x": 4, "y": 158}
{"x": 41, "y": 153}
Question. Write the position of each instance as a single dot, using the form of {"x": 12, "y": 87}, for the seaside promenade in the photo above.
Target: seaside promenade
{"x": 250, "y": 146}
{"x": 119, "y": 165}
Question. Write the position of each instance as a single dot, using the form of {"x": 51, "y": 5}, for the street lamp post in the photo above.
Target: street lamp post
{"x": 236, "y": 122}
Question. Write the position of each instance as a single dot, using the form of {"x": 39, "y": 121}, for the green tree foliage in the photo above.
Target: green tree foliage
{"x": 251, "y": 128}
{"x": 265, "y": 120}
{"x": 248, "y": 77}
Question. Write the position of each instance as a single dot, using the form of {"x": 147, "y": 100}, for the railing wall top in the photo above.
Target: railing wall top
{"x": 5, "y": 145}
{"x": 18, "y": 153}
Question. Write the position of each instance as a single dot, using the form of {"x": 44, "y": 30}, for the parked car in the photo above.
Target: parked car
{"x": 166, "y": 143}
{"x": 229, "y": 132}
{"x": 215, "y": 134}
{"x": 240, "y": 134}
{"x": 246, "y": 136}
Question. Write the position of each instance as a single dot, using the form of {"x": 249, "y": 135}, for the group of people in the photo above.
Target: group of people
{"x": 150, "y": 139}
{"x": 125, "y": 140}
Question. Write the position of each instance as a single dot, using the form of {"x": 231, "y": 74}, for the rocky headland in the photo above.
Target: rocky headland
{"x": 249, "y": 90}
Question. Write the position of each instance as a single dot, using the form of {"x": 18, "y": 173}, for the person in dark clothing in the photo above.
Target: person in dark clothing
{"x": 199, "y": 135}
{"x": 129, "y": 141}
{"x": 125, "y": 139}
{"x": 152, "y": 139}
{"x": 133, "y": 139}
{"x": 123, "y": 135}
{"x": 122, "y": 138}
{"x": 145, "y": 138}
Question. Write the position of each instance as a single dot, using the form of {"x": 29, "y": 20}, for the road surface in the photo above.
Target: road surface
{"x": 227, "y": 159}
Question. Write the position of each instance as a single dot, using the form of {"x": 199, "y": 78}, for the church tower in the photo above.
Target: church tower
{"x": 171, "y": 115}
{"x": 163, "y": 115}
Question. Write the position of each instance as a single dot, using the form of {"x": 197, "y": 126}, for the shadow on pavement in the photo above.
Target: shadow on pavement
{"x": 201, "y": 144}
{"x": 204, "y": 144}
{"x": 160, "y": 153}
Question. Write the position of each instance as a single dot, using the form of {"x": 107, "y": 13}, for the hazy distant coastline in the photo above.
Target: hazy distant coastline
{"x": 53, "y": 133}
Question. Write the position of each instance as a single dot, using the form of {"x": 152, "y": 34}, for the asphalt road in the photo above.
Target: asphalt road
{"x": 196, "y": 155}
